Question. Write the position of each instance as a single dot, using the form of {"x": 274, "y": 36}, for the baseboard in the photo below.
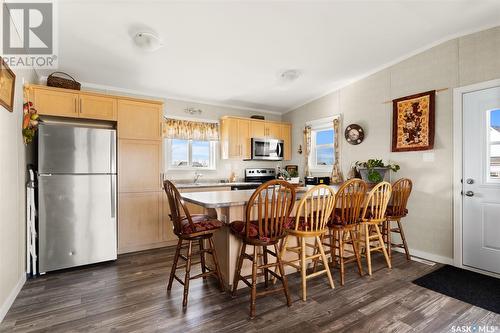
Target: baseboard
{"x": 12, "y": 297}
{"x": 427, "y": 256}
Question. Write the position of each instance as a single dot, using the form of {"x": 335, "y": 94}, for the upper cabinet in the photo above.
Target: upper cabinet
{"x": 139, "y": 120}
{"x": 55, "y": 102}
{"x": 236, "y": 135}
{"x": 97, "y": 107}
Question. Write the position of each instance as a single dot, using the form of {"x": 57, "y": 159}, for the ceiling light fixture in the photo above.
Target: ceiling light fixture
{"x": 289, "y": 75}
{"x": 192, "y": 111}
{"x": 147, "y": 41}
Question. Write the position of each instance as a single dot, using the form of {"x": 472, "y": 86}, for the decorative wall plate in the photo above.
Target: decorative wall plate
{"x": 354, "y": 134}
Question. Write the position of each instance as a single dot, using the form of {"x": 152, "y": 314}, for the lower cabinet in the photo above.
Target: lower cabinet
{"x": 141, "y": 222}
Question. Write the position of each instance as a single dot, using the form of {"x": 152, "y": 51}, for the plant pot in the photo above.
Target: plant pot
{"x": 294, "y": 180}
{"x": 370, "y": 179}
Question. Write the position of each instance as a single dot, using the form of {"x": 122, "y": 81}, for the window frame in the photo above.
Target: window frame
{"x": 489, "y": 144}
{"x": 212, "y": 156}
{"x": 318, "y": 126}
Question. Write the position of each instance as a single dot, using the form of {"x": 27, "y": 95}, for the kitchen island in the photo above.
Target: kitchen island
{"x": 229, "y": 206}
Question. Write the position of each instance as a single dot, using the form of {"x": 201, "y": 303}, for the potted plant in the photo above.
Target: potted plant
{"x": 294, "y": 177}
{"x": 373, "y": 171}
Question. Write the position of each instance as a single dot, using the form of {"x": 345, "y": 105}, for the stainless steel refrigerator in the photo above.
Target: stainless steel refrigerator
{"x": 76, "y": 195}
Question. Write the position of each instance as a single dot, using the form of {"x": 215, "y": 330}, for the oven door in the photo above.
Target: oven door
{"x": 267, "y": 149}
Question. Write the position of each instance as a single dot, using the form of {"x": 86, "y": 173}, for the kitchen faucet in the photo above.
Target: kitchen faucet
{"x": 197, "y": 176}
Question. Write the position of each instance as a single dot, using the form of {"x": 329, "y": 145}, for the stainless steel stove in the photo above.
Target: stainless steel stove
{"x": 255, "y": 177}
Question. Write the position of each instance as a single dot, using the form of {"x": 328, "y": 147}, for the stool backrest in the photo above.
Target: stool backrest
{"x": 315, "y": 209}
{"x": 178, "y": 209}
{"x": 401, "y": 190}
{"x": 349, "y": 201}
{"x": 272, "y": 202}
{"x": 376, "y": 202}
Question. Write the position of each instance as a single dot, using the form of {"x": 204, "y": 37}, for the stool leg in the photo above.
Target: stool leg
{"x": 284, "y": 244}
{"x": 381, "y": 241}
{"x": 315, "y": 263}
{"x": 186, "y": 277}
{"x": 355, "y": 248}
{"x": 367, "y": 249}
{"x": 253, "y": 294}
{"x": 389, "y": 238}
{"x": 264, "y": 257}
{"x": 403, "y": 238}
{"x": 303, "y": 266}
{"x": 341, "y": 256}
{"x": 237, "y": 272}
{"x": 174, "y": 264}
{"x": 325, "y": 261}
{"x": 216, "y": 264}
{"x": 283, "y": 276}
{"x": 202, "y": 258}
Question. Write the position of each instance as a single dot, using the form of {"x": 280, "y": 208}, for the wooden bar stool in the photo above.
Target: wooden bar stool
{"x": 267, "y": 211}
{"x": 373, "y": 215}
{"x": 191, "y": 229}
{"x": 345, "y": 223}
{"x": 313, "y": 213}
{"x": 396, "y": 210}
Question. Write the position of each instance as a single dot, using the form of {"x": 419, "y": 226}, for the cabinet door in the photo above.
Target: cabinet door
{"x": 244, "y": 138}
{"x": 257, "y": 129}
{"x": 139, "y": 224}
{"x": 97, "y": 107}
{"x": 139, "y": 120}
{"x": 286, "y": 136}
{"x": 230, "y": 142}
{"x": 55, "y": 103}
{"x": 273, "y": 130}
{"x": 139, "y": 165}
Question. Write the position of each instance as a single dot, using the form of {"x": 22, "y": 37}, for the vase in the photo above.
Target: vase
{"x": 380, "y": 171}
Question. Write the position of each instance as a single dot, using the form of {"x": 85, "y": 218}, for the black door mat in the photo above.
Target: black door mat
{"x": 470, "y": 287}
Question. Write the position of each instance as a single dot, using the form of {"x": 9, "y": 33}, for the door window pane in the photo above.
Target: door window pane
{"x": 201, "y": 154}
{"x": 494, "y": 145}
{"x": 180, "y": 152}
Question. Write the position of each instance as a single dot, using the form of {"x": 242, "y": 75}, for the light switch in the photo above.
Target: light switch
{"x": 428, "y": 157}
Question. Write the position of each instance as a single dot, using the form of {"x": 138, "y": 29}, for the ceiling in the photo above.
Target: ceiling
{"x": 232, "y": 53}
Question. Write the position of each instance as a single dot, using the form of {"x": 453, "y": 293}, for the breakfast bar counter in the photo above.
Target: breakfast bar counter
{"x": 229, "y": 206}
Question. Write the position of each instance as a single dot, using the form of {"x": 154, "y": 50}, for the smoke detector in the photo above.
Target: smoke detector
{"x": 147, "y": 41}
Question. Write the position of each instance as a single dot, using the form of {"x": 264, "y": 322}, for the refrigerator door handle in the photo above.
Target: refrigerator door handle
{"x": 112, "y": 152}
{"x": 113, "y": 196}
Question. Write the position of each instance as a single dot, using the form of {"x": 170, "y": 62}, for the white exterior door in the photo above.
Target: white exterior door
{"x": 481, "y": 180}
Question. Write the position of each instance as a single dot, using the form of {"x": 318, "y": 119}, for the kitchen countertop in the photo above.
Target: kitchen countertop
{"x": 219, "y": 199}
{"x": 211, "y": 184}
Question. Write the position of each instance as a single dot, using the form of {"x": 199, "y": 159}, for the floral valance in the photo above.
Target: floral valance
{"x": 191, "y": 130}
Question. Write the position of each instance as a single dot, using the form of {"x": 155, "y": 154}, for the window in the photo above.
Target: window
{"x": 322, "y": 155}
{"x": 190, "y": 154}
{"x": 494, "y": 145}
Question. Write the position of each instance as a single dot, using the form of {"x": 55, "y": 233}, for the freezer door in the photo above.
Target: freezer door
{"x": 77, "y": 220}
{"x": 68, "y": 149}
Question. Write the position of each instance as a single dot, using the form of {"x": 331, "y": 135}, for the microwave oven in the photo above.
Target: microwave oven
{"x": 267, "y": 149}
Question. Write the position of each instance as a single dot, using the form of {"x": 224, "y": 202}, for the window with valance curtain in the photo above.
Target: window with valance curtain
{"x": 190, "y": 144}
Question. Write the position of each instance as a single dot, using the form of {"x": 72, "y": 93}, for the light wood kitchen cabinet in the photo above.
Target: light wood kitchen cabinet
{"x": 286, "y": 136}
{"x": 237, "y": 132}
{"x": 139, "y": 120}
{"x": 140, "y": 221}
{"x": 97, "y": 107}
{"x": 273, "y": 130}
{"x": 235, "y": 138}
{"x": 139, "y": 165}
{"x": 55, "y": 102}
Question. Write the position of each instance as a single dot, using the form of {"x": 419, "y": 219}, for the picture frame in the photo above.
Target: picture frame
{"x": 413, "y": 122}
{"x": 7, "y": 86}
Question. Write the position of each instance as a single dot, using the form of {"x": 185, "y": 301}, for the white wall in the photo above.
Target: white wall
{"x": 466, "y": 60}
{"x": 12, "y": 197}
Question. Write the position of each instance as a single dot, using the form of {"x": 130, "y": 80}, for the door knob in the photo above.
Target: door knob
{"x": 470, "y": 181}
{"x": 469, "y": 193}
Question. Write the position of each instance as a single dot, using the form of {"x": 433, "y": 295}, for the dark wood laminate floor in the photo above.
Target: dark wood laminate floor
{"x": 130, "y": 295}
